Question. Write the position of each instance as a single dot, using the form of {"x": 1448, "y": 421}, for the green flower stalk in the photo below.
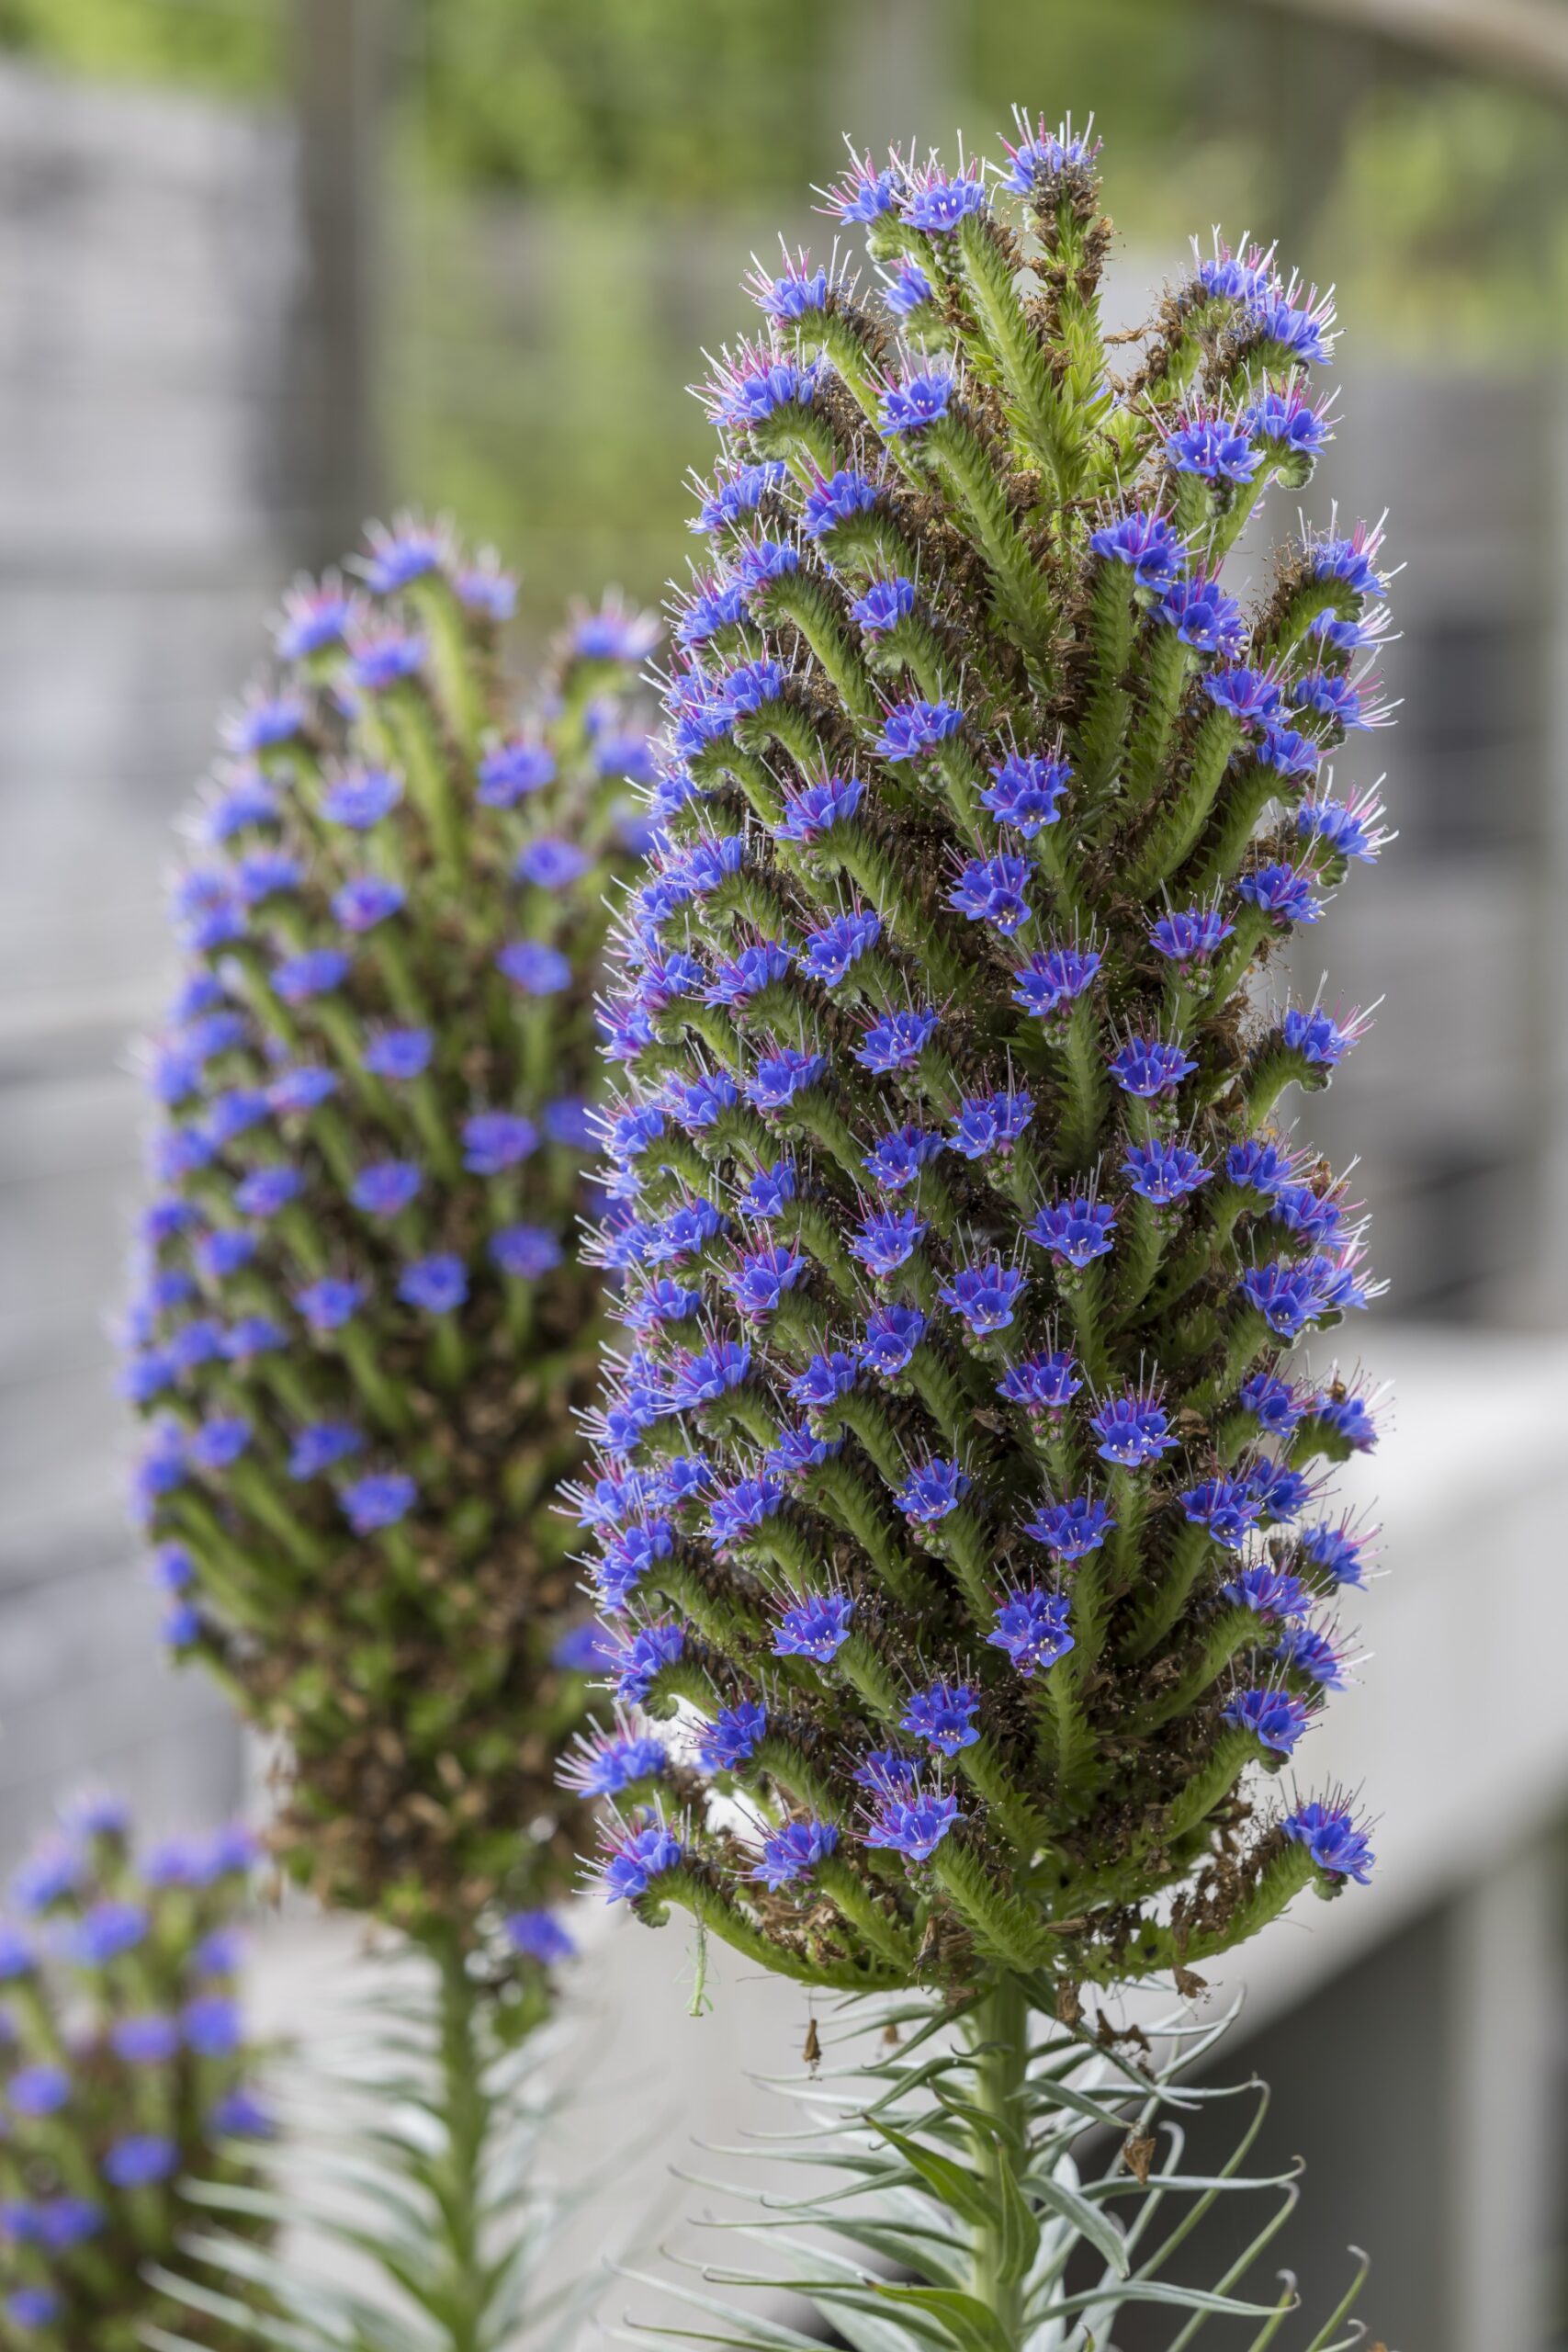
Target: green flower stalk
{"x": 362, "y": 1333}
{"x": 955, "y": 1484}
{"x": 123, "y": 2068}
{"x": 1040, "y": 2202}
{"x": 437, "y": 2245}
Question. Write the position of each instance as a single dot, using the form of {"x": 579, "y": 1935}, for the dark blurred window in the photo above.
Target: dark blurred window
{"x": 1468, "y": 1215}
{"x": 1469, "y": 734}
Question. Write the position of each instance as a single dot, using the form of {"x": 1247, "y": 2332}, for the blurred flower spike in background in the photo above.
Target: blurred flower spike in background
{"x": 125, "y": 2067}
{"x": 359, "y": 1329}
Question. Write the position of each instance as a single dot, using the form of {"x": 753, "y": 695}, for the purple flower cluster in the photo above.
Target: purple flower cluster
{"x": 952, "y": 1234}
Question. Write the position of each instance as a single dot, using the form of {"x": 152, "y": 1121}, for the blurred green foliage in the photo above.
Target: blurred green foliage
{"x": 688, "y": 100}
{"x": 582, "y": 180}
{"x": 233, "y": 46}
{"x": 1468, "y": 185}
{"x": 684, "y": 100}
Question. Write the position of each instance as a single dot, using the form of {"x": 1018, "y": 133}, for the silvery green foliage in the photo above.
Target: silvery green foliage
{"x": 955, "y": 1480}
{"x": 360, "y": 1328}
{"x": 411, "y": 2197}
{"x": 973, "y": 2187}
{"x": 124, "y": 2067}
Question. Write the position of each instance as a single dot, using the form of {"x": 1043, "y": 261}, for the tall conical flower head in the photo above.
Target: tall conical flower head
{"x": 361, "y": 1327}
{"x": 955, "y": 1480}
{"x": 123, "y": 2071}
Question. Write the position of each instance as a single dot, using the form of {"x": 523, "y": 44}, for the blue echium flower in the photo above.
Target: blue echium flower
{"x": 1025, "y": 793}
{"x": 836, "y": 500}
{"x": 912, "y": 728}
{"x": 1268, "y": 1592}
{"x": 816, "y": 1629}
{"x": 931, "y": 1490}
{"x": 1013, "y": 1525}
{"x": 1275, "y": 1718}
{"x": 1280, "y": 1491}
{"x": 1042, "y": 155}
{"x": 1309, "y": 1650}
{"x": 1288, "y": 418}
{"x": 798, "y": 292}
{"x": 753, "y": 384}
{"x": 1072, "y": 1529}
{"x": 1149, "y": 546}
{"x": 990, "y": 1123}
{"x": 883, "y": 605}
{"x": 1050, "y": 980}
{"x": 1214, "y": 448}
{"x": 1317, "y": 1037}
{"x": 1032, "y": 1628}
{"x": 1044, "y": 1383}
{"x": 1330, "y": 1834}
{"x": 892, "y": 1334}
{"x": 1225, "y": 1507}
{"x": 897, "y": 1159}
{"x": 831, "y": 953}
{"x": 1336, "y": 1553}
{"x": 943, "y": 1717}
{"x": 919, "y": 401}
{"x": 908, "y": 289}
{"x": 1204, "y": 616}
{"x": 1192, "y": 934}
{"x": 540, "y": 1936}
{"x": 376, "y": 1126}
{"x": 1163, "y": 1172}
{"x": 1151, "y": 1067}
{"x": 1282, "y": 892}
{"x": 1345, "y": 828}
{"x": 736, "y": 496}
{"x": 732, "y": 1737}
{"x": 933, "y": 202}
{"x": 824, "y": 1379}
{"x": 123, "y": 2071}
{"x": 993, "y": 890}
{"x": 985, "y": 1296}
{"x": 912, "y": 1826}
{"x": 897, "y": 1040}
{"x": 818, "y": 807}
{"x": 866, "y": 194}
{"x": 637, "y": 1852}
{"x": 794, "y": 1853}
{"x": 1077, "y": 1230}
{"x": 609, "y": 1763}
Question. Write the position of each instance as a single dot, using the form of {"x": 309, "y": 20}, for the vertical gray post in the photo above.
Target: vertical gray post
{"x": 343, "y": 54}
{"x": 1550, "y": 1289}
{"x": 1506, "y": 1995}
{"x": 899, "y": 81}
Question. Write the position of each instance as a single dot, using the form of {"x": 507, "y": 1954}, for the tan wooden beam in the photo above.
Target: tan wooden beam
{"x": 1518, "y": 41}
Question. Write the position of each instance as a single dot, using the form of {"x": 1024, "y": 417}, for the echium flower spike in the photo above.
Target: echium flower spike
{"x": 952, "y": 1476}
{"x": 361, "y": 1330}
{"x": 124, "y": 2073}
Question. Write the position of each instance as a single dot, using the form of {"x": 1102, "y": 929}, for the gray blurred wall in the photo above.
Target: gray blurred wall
{"x": 148, "y": 280}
